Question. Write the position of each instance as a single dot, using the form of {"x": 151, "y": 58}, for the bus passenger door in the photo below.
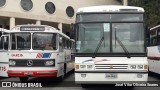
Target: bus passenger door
{"x": 4, "y": 55}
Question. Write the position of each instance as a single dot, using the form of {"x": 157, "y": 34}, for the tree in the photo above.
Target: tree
{"x": 152, "y": 11}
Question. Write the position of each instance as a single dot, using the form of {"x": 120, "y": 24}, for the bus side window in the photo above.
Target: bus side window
{"x": 4, "y": 43}
{"x": 64, "y": 43}
{"x": 1, "y": 43}
{"x": 158, "y": 42}
{"x": 67, "y": 44}
{"x": 154, "y": 41}
{"x": 60, "y": 44}
{"x": 158, "y": 37}
{"x": 6, "y": 40}
{"x": 13, "y": 47}
{"x": 70, "y": 44}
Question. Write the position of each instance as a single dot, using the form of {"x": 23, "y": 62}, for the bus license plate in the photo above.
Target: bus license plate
{"x": 111, "y": 76}
{"x": 28, "y": 73}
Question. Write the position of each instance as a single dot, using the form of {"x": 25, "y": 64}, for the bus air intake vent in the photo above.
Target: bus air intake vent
{"x": 111, "y": 66}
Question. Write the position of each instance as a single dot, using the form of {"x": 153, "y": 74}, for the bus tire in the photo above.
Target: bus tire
{"x": 23, "y": 79}
{"x": 65, "y": 69}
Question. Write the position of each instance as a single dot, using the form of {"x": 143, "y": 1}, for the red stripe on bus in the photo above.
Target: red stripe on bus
{"x": 44, "y": 73}
{"x": 153, "y": 57}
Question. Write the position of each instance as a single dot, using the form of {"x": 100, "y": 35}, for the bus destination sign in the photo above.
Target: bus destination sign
{"x": 25, "y": 28}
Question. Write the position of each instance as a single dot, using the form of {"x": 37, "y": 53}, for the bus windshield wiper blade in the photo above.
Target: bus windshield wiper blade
{"x": 121, "y": 44}
{"x": 98, "y": 46}
{"x": 124, "y": 48}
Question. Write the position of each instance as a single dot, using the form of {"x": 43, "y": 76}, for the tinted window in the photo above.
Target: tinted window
{"x": 26, "y": 4}
{"x": 2, "y": 2}
{"x": 4, "y": 43}
{"x": 50, "y": 7}
{"x": 70, "y": 11}
{"x": 21, "y": 41}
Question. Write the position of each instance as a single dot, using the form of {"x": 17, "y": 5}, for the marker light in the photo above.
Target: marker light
{"x": 133, "y": 66}
{"x": 139, "y": 66}
{"x": 145, "y": 66}
{"x": 49, "y": 63}
{"x": 12, "y": 63}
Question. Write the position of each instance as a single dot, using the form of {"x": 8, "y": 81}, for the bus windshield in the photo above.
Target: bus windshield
{"x": 20, "y": 41}
{"x": 128, "y": 29}
{"x": 44, "y": 41}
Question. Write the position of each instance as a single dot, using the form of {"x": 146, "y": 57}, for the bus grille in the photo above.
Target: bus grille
{"x": 31, "y": 62}
{"x": 111, "y": 66}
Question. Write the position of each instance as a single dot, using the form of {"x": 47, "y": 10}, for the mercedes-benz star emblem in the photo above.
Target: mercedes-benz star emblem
{"x": 29, "y": 63}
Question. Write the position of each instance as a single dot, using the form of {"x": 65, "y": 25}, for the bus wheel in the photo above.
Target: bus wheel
{"x": 23, "y": 79}
{"x": 65, "y": 67}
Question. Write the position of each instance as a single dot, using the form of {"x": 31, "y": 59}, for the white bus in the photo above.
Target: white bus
{"x": 154, "y": 49}
{"x": 35, "y": 51}
{"x": 110, "y": 45}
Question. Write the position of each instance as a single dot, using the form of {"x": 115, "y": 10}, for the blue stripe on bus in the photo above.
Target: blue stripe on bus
{"x": 46, "y": 55}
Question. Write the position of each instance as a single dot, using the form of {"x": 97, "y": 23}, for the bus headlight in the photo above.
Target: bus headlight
{"x": 89, "y": 66}
{"x": 132, "y": 66}
{"x": 49, "y": 63}
{"x": 82, "y": 66}
{"x": 12, "y": 63}
{"x": 139, "y": 66}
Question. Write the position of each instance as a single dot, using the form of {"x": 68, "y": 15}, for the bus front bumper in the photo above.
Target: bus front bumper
{"x": 32, "y": 73}
{"x": 110, "y": 78}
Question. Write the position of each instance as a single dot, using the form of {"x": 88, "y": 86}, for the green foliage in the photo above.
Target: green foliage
{"x": 152, "y": 10}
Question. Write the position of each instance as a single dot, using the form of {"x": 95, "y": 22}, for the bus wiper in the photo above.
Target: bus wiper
{"x": 122, "y": 45}
{"x": 124, "y": 48}
{"x": 95, "y": 52}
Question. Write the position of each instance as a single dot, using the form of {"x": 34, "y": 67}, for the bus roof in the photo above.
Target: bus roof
{"x": 110, "y": 8}
{"x": 14, "y": 29}
{"x": 4, "y": 30}
{"x": 155, "y": 27}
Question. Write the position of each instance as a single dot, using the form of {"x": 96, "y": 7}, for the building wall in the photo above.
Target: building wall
{"x": 12, "y": 8}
